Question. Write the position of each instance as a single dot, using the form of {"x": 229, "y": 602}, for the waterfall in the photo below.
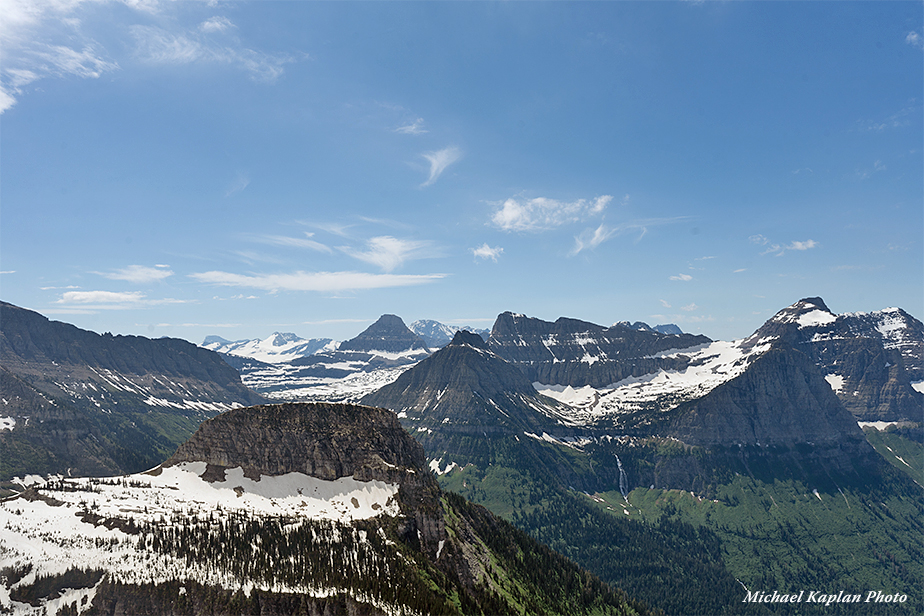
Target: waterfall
{"x": 623, "y": 484}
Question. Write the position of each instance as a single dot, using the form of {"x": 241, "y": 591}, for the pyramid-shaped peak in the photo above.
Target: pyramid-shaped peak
{"x": 389, "y": 334}
{"x": 465, "y": 337}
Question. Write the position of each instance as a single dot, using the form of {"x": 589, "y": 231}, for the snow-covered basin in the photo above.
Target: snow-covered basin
{"x": 709, "y": 366}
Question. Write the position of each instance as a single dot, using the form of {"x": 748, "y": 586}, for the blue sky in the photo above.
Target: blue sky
{"x": 234, "y": 168}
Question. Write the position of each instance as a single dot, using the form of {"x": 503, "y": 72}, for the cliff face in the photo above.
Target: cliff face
{"x": 577, "y": 353}
{"x": 781, "y": 399}
{"x": 327, "y": 441}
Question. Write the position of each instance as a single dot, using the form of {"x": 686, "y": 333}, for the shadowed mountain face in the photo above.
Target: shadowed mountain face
{"x": 464, "y": 392}
{"x": 102, "y": 404}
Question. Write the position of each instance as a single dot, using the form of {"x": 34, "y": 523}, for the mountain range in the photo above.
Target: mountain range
{"x": 681, "y": 469}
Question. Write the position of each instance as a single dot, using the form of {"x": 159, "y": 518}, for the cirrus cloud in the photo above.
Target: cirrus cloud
{"x": 315, "y": 281}
{"x": 389, "y": 253}
{"x": 139, "y": 274}
{"x": 439, "y": 160}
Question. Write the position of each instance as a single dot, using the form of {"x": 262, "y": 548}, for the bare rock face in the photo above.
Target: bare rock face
{"x": 781, "y": 400}
{"x": 327, "y": 441}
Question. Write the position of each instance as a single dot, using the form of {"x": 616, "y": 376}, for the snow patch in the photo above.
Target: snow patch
{"x": 836, "y": 382}
{"x": 815, "y": 318}
{"x": 7, "y": 423}
{"x": 880, "y": 425}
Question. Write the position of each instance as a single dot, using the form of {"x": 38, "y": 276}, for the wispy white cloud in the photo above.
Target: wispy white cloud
{"x": 160, "y": 46}
{"x": 682, "y": 277}
{"x": 109, "y": 300}
{"x": 487, "y": 252}
{"x": 294, "y": 242}
{"x": 50, "y": 38}
{"x": 315, "y": 281}
{"x": 899, "y": 119}
{"x": 778, "y": 249}
{"x": 139, "y": 274}
{"x": 591, "y": 238}
{"x": 542, "y": 214}
{"x": 689, "y": 307}
{"x": 413, "y": 128}
{"x": 806, "y": 245}
{"x": 915, "y": 40}
{"x": 216, "y": 24}
{"x": 439, "y": 161}
{"x": 42, "y": 60}
{"x": 389, "y": 253}
{"x": 240, "y": 182}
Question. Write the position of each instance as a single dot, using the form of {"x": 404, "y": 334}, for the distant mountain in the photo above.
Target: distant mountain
{"x": 463, "y": 392}
{"x": 388, "y": 334}
{"x": 339, "y": 373}
{"x": 437, "y": 335}
{"x": 79, "y": 402}
{"x": 283, "y": 509}
{"x": 277, "y": 348}
{"x": 577, "y": 353}
{"x": 668, "y": 328}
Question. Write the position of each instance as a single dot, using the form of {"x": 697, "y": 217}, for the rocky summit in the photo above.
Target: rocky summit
{"x": 870, "y": 360}
{"x": 466, "y": 390}
{"x": 324, "y": 441}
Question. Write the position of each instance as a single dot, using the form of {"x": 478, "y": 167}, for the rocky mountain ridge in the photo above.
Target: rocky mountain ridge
{"x": 578, "y": 353}
{"x": 87, "y": 403}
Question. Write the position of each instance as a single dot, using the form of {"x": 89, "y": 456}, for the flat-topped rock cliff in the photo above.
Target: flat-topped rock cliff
{"x": 326, "y": 441}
